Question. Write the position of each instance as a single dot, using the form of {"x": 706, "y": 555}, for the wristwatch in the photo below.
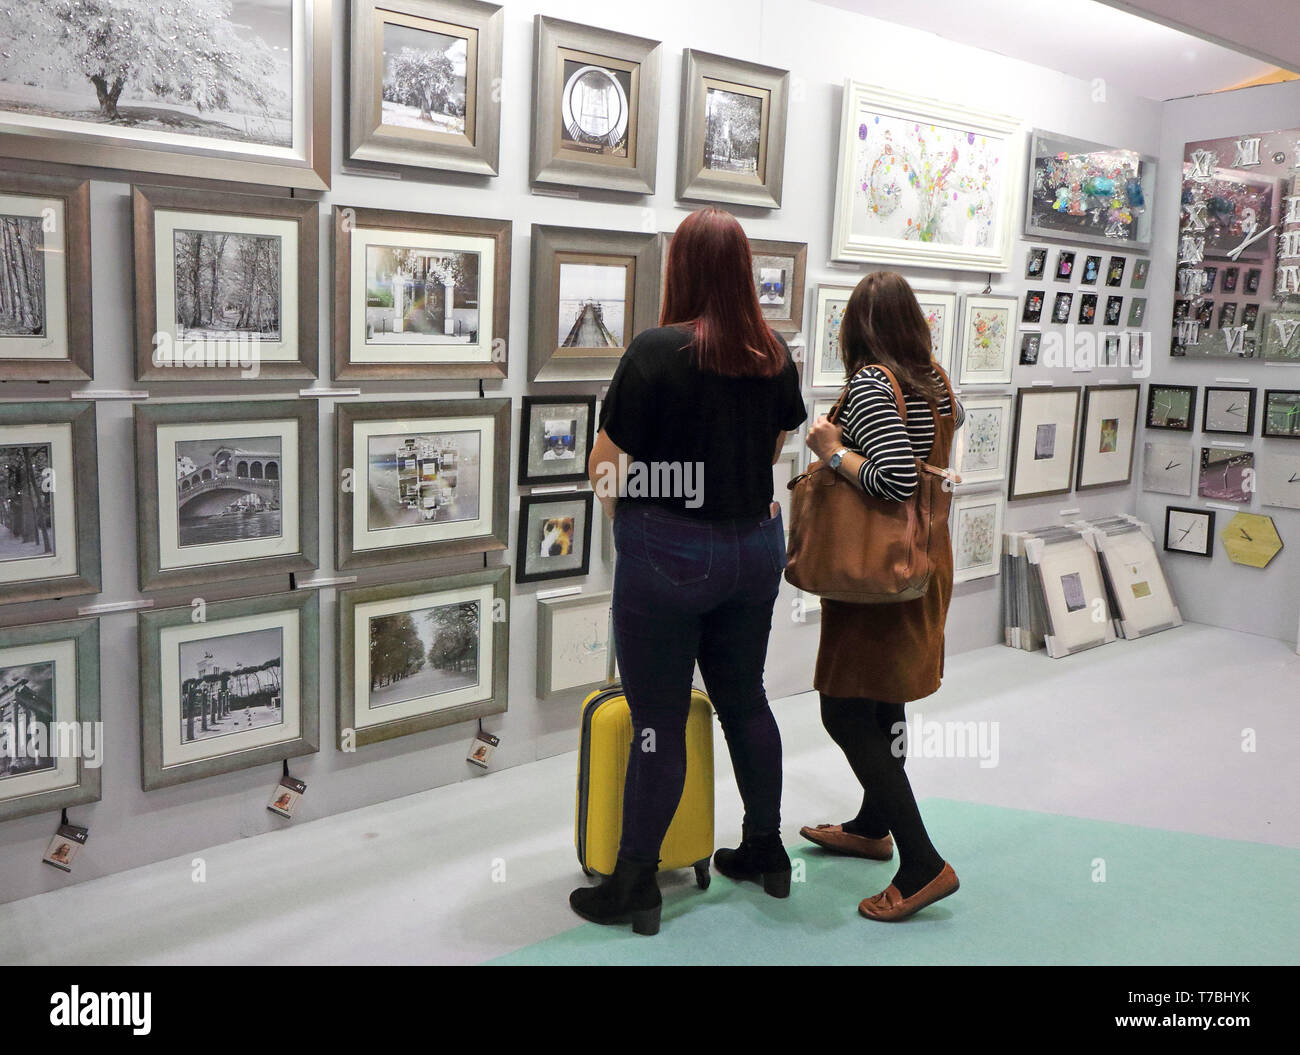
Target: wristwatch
{"x": 834, "y": 460}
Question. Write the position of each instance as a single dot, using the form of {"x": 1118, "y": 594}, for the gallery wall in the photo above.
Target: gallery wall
{"x": 821, "y": 46}
{"x": 1217, "y": 591}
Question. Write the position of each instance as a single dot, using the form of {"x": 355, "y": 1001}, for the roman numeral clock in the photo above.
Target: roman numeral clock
{"x": 1237, "y": 284}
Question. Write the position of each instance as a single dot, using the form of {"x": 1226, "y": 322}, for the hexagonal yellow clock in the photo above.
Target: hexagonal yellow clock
{"x": 1251, "y": 539}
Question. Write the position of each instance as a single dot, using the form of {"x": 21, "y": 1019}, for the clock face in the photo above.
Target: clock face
{"x": 1170, "y": 407}
{"x": 1239, "y": 228}
{"x": 1167, "y": 469}
{"x": 1251, "y": 539}
{"x": 1282, "y": 414}
{"x": 1229, "y": 410}
{"x": 1278, "y": 480}
{"x": 1188, "y": 531}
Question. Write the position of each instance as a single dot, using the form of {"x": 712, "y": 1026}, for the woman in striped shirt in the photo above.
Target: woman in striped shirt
{"x": 874, "y": 658}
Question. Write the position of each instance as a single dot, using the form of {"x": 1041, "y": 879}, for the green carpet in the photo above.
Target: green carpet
{"x": 1028, "y": 896}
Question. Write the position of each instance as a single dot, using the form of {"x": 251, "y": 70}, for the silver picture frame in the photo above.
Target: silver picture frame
{"x": 303, "y": 165}
{"x": 549, "y": 672}
{"x": 82, "y": 458}
{"x": 154, "y": 574}
{"x": 494, "y": 480}
{"x": 370, "y": 139}
{"x": 155, "y": 771}
{"x": 630, "y": 167}
{"x": 496, "y": 663}
{"x": 769, "y": 90}
{"x": 637, "y": 253}
{"x": 83, "y": 636}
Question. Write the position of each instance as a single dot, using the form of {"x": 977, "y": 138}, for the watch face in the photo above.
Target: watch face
{"x": 1230, "y": 410}
{"x": 1238, "y": 225}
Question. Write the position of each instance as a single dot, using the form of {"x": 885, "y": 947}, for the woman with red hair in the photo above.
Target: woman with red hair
{"x": 702, "y": 404}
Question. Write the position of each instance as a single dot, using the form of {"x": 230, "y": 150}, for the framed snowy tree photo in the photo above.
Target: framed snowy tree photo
{"x": 232, "y": 90}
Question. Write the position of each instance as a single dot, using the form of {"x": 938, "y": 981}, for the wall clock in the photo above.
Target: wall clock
{"x": 1189, "y": 531}
{"x": 1229, "y": 410}
{"x": 1251, "y": 539}
{"x": 1171, "y": 407}
{"x": 1167, "y": 468}
{"x": 1240, "y": 205}
{"x": 1278, "y": 480}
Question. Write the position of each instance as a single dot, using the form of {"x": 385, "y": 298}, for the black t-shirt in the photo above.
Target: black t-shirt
{"x": 701, "y": 443}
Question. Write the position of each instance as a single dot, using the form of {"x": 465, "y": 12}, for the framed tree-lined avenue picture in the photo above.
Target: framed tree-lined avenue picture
{"x": 924, "y": 183}
{"x": 45, "y": 305}
{"x": 421, "y": 479}
{"x": 424, "y": 84}
{"x": 225, "y": 490}
{"x": 226, "y": 285}
{"x": 419, "y": 297}
{"x": 49, "y": 681}
{"x": 732, "y": 131}
{"x": 49, "y": 501}
{"x": 420, "y": 655}
{"x": 595, "y": 107}
{"x": 239, "y": 688}
{"x": 232, "y": 90}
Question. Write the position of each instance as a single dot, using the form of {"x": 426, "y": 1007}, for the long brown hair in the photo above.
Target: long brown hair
{"x": 710, "y": 291}
{"x": 884, "y": 325}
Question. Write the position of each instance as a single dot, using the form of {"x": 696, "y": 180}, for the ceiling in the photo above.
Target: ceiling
{"x": 1091, "y": 39}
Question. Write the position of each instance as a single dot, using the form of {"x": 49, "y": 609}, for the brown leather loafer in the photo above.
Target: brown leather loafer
{"x": 833, "y": 837}
{"x": 890, "y": 906}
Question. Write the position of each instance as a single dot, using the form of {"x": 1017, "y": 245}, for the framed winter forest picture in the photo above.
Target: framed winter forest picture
{"x": 232, "y": 90}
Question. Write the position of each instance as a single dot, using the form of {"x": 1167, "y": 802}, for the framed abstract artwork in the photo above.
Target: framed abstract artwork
{"x": 1065, "y": 265}
{"x": 555, "y": 437}
{"x": 1189, "y": 531}
{"x": 732, "y": 131}
{"x": 976, "y": 530}
{"x": 1069, "y": 575}
{"x": 49, "y": 686}
{"x": 1107, "y": 436}
{"x": 1171, "y": 407}
{"x": 982, "y": 451}
{"x": 924, "y": 183}
{"x": 1227, "y": 474}
{"x": 1087, "y": 309}
{"x": 226, "y": 285}
{"x": 1033, "y": 311}
{"x": 1042, "y": 453}
{"x": 49, "y": 501}
{"x": 575, "y": 643}
{"x": 1281, "y": 414}
{"x": 940, "y": 311}
{"x": 1036, "y": 263}
{"x": 420, "y": 297}
{"x": 1278, "y": 480}
{"x": 1089, "y": 192}
{"x": 779, "y": 281}
{"x": 233, "y": 90}
{"x": 554, "y": 540}
{"x": 1091, "y": 270}
{"x": 1228, "y": 410}
{"x": 421, "y": 655}
{"x": 591, "y": 292}
{"x": 45, "y": 306}
{"x": 986, "y": 344}
{"x": 595, "y": 107}
{"x": 423, "y": 78}
{"x": 225, "y": 490}
{"x": 427, "y": 479}
{"x": 828, "y": 313}
{"x": 1167, "y": 468}
{"x": 239, "y": 689}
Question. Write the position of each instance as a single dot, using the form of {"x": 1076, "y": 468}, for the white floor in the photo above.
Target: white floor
{"x": 1147, "y": 733}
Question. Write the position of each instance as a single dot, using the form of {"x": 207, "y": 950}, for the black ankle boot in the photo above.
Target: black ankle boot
{"x": 759, "y": 856}
{"x": 631, "y": 894}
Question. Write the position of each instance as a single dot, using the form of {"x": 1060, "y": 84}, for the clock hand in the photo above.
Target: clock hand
{"x": 1244, "y": 535}
{"x": 1234, "y": 253}
{"x": 1294, "y": 479}
{"x": 1186, "y": 532}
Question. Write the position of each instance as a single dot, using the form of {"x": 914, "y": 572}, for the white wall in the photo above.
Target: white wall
{"x": 821, "y": 46}
{"x": 1216, "y": 591}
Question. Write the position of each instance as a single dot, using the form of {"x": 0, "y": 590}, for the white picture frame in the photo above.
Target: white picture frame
{"x": 975, "y": 526}
{"x": 575, "y": 637}
{"x": 824, "y": 350}
{"x": 870, "y": 117}
{"x": 942, "y": 314}
{"x": 982, "y": 450}
{"x": 986, "y": 346}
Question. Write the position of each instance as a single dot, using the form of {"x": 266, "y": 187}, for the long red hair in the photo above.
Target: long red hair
{"x": 709, "y": 290}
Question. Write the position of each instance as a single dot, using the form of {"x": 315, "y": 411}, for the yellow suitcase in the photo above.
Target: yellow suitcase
{"x": 602, "y": 769}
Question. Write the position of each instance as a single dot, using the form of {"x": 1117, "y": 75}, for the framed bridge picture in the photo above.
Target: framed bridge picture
{"x": 591, "y": 292}
{"x": 225, "y": 490}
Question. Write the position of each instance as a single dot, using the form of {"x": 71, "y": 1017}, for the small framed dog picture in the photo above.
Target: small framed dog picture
{"x": 554, "y": 536}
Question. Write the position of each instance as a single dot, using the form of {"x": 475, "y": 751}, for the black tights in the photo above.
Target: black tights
{"x": 872, "y": 736}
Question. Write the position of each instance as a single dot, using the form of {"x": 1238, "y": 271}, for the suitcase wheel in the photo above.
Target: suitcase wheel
{"x": 703, "y": 877}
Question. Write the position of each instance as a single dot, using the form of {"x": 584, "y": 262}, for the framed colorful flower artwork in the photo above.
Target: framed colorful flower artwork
{"x": 986, "y": 340}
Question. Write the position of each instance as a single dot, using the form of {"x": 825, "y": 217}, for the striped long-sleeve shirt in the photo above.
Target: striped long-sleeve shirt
{"x": 873, "y": 428}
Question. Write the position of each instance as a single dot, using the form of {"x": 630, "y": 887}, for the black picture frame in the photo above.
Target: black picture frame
{"x": 579, "y": 474}
{"x": 1152, "y": 390}
{"x": 1208, "y": 514}
{"x": 1251, "y": 395}
{"x": 526, "y": 503}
